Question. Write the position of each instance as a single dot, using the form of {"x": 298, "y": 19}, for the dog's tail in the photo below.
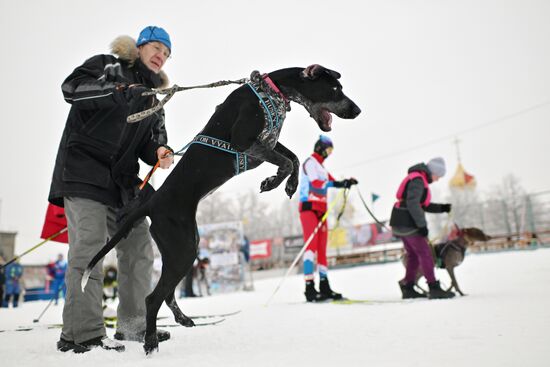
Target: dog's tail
{"x": 123, "y": 231}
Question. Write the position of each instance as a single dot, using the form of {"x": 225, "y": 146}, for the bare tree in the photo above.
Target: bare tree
{"x": 216, "y": 208}
{"x": 255, "y": 214}
{"x": 466, "y": 206}
{"x": 287, "y": 217}
{"x": 513, "y": 196}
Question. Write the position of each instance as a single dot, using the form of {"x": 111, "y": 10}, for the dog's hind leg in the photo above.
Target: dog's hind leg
{"x": 168, "y": 281}
{"x": 177, "y": 243}
{"x": 152, "y": 304}
{"x": 178, "y": 314}
{"x": 454, "y": 283}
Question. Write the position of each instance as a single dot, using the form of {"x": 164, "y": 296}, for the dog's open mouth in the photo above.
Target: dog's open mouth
{"x": 323, "y": 117}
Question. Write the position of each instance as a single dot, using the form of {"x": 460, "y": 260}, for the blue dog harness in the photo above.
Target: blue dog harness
{"x": 274, "y": 105}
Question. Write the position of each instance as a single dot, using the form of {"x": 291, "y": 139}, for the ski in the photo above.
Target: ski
{"x": 348, "y": 301}
{"x": 203, "y": 323}
{"x": 110, "y": 322}
{"x": 59, "y": 326}
{"x": 34, "y": 327}
{"x": 210, "y": 316}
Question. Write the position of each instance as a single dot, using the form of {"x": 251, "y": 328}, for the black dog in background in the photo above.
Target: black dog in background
{"x": 248, "y": 121}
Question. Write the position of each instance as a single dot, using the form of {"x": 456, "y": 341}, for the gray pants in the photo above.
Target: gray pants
{"x": 90, "y": 225}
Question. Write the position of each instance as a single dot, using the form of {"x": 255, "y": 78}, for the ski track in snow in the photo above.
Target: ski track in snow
{"x": 504, "y": 321}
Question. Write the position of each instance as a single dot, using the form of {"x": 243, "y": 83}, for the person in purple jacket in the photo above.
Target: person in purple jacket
{"x": 408, "y": 221}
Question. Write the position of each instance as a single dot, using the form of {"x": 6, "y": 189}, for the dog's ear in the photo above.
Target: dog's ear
{"x": 314, "y": 71}
{"x": 332, "y": 73}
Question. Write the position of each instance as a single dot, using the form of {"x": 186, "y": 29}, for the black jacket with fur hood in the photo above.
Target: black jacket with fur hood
{"x": 98, "y": 154}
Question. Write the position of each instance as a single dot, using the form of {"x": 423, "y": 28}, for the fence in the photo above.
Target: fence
{"x": 513, "y": 223}
{"x": 516, "y": 221}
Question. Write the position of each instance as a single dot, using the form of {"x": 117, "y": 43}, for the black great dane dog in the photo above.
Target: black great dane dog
{"x": 242, "y": 133}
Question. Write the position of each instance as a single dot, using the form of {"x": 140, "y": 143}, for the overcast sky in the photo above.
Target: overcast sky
{"x": 423, "y": 72}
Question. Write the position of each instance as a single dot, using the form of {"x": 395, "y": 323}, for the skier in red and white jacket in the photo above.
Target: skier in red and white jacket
{"x": 315, "y": 181}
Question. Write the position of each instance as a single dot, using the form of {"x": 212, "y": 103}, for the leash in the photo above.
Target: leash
{"x": 443, "y": 230}
{"x": 343, "y": 208}
{"x": 35, "y": 247}
{"x": 138, "y": 116}
{"x": 274, "y": 105}
{"x": 376, "y": 219}
{"x": 332, "y": 232}
{"x": 148, "y": 176}
{"x": 306, "y": 244}
{"x": 369, "y": 211}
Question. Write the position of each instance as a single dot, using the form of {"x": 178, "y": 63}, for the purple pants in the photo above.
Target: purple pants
{"x": 419, "y": 253}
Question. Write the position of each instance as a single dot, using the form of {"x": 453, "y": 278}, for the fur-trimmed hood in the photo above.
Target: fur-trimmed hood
{"x": 125, "y": 48}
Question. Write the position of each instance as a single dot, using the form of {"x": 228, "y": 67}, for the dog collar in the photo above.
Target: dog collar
{"x": 272, "y": 85}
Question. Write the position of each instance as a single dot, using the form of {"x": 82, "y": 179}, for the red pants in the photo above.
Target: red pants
{"x": 318, "y": 245}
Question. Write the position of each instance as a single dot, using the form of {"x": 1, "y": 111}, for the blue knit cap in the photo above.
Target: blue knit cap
{"x": 151, "y": 34}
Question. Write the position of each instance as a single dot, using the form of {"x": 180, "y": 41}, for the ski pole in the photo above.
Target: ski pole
{"x": 306, "y": 244}
{"x": 35, "y": 247}
{"x": 44, "y": 311}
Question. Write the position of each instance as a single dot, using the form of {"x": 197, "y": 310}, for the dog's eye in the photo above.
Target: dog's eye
{"x": 335, "y": 88}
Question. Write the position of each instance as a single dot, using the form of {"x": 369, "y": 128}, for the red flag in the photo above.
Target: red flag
{"x": 260, "y": 249}
{"x": 55, "y": 222}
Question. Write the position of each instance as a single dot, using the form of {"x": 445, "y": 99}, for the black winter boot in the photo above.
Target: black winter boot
{"x": 408, "y": 291}
{"x": 437, "y": 292}
{"x": 326, "y": 292}
{"x": 311, "y": 293}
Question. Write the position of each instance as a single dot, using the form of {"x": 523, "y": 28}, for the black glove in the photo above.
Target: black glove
{"x": 446, "y": 208}
{"x": 134, "y": 98}
{"x": 135, "y": 91}
{"x": 348, "y": 182}
{"x": 423, "y": 231}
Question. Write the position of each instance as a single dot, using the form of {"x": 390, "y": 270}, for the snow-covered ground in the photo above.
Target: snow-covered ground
{"x": 504, "y": 321}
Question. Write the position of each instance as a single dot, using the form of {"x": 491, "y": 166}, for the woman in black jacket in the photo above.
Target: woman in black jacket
{"x": 408, "y": 221}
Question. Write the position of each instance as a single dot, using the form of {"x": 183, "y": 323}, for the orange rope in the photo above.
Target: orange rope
{"x": 148, "y": 177}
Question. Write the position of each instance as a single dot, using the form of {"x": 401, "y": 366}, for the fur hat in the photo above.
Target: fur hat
{"x": 437, "y": 166}
{"x": 124, "y": 47}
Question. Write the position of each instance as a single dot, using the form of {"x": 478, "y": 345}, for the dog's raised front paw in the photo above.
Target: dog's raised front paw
{"x": 269, "y": 183}
{"x": 291, "y": 185}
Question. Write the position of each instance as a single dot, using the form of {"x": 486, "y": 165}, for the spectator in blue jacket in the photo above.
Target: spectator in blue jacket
{"x": 2, "y": 280}
{"x": 58, "y": 284}
{"x": 13, "y": 273}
